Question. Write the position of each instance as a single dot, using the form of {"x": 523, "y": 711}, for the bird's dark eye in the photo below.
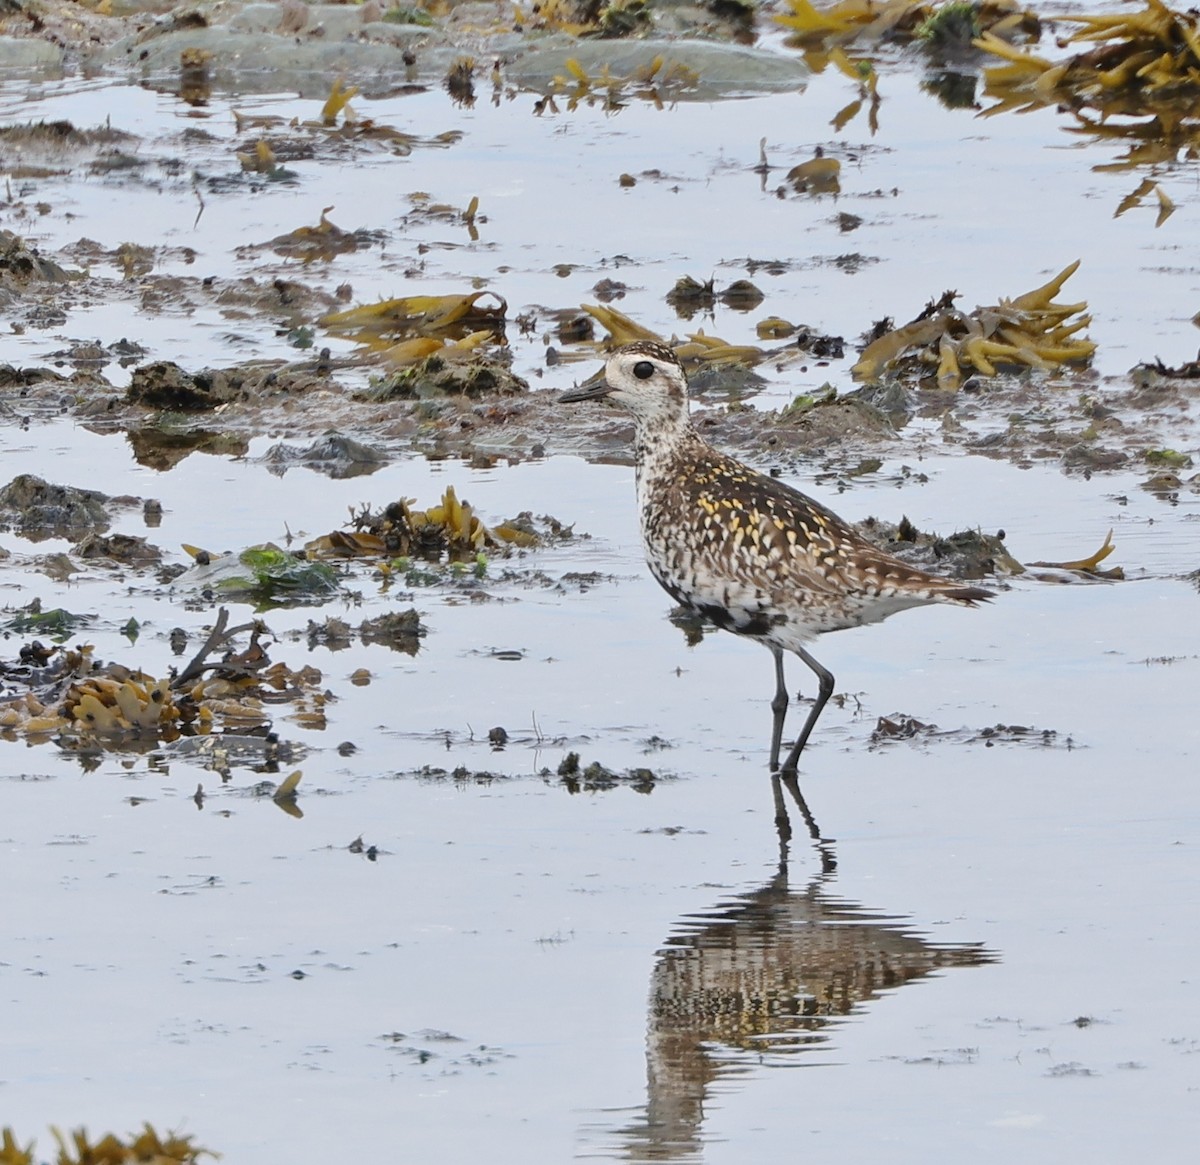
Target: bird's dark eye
{"x": 643, "y": 370}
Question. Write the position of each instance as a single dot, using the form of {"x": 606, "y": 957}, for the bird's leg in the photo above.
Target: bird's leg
{"x": 825, "y": 690}
{"x": 779, "y": 707}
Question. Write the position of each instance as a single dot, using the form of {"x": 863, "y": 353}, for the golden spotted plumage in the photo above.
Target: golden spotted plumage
{"x": 747, "y": 551}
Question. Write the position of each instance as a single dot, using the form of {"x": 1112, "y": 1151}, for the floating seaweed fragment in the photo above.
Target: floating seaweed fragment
{"x": 813, "y": 27}
{"x": 11, "y": 1153}
{"x": 774, "y": 328}
{"x": 700, "y": 348}
{"x": 819, "y": 175}
{"x": 1030, "y": 331}
{"x": 597, "y": 778}
{"x": 287, "y": 789}
{"x": 296, "y": 138}
{"x": 261, "y": 161}
{"x": 1091, "y": 564}
{"x": 399, "y": 630}
{"x": 741, "y": 295}
{"x": 690, "y": 295}
{"x": 621, "y": 328}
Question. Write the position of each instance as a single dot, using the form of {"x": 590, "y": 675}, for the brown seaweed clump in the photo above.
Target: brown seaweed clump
{"x": 1030, "y": 331}
{"x": 451, "y": 529}
{"x": 67, "y": 693}
{"x": 405, "y": 330}
{"x": 901, "y": 21}
{"x": 78, "y": 1148}
{"x": 1141, "y": 60}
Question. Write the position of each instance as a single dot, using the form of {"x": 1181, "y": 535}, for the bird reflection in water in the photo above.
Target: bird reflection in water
{"x": 764, "y": 979}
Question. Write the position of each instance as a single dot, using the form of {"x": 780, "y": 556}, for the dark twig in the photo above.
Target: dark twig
{"x": 220, "y": 635}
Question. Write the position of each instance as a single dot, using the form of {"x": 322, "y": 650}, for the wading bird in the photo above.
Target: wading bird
{"x": 747, "y": 552}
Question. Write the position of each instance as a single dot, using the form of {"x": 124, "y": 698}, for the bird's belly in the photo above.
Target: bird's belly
{"x": 739, "y": 607}
{"x": 786, "y": 618}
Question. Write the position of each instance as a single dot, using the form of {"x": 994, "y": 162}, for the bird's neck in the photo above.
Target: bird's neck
{"x": 660, "y": 440}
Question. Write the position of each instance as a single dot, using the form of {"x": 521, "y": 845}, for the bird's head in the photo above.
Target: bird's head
{"x": 645, "y": 377}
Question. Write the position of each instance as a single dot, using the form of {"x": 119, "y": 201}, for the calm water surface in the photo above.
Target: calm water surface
{"x": 991, "y": 952}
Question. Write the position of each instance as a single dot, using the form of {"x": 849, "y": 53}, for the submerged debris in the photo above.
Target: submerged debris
{"x": 595, "y": 778}
{"x": 21, "y": 264}
{"x": 164, "y": 385}
{"x": 400, "y": 631}
{"x": 57, "y": 623}
{"x": 900, "y": 726}
{"x": 322, "y": 243}
{"x": 126, "y": 549}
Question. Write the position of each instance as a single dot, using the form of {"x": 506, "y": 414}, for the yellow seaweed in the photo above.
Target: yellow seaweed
{"x": 288, "y": 787}
{"x": 621, "y": 329}
{"x": 339, "y": 97}
{"x": 414, "y": 313}
{"x": 882, "y": 352}
{"x": 1089, "y": 565}
{"x": 1030, "y": 330}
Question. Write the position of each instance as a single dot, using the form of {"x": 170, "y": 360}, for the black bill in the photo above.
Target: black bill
{"x": 593, "y": 388}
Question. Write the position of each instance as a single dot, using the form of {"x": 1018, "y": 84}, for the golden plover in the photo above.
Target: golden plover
{"x": 749, "y": 553}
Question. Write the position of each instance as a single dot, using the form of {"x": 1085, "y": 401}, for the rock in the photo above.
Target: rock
{"x": 436, "y": 377}
{"x": 128, "y": 549}
{"x": 164, "y": 385}
{"x": 37, "y": 510}
{"x": 333, "y": 454}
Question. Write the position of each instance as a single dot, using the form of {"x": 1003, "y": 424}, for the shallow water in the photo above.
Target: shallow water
{"x": 990, "y": 952}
